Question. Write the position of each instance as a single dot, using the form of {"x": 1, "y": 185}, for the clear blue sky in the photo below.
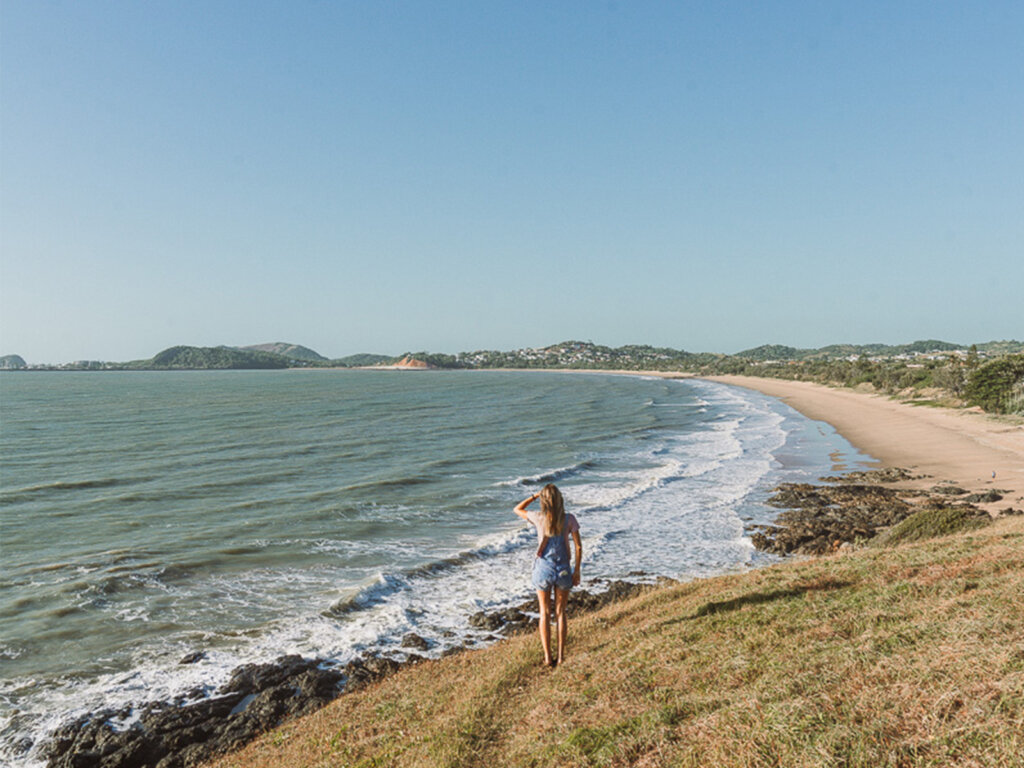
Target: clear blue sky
{"x": 393, "y": 176}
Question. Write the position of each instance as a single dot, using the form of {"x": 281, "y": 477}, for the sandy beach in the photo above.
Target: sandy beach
{"x": 963, "y": 446}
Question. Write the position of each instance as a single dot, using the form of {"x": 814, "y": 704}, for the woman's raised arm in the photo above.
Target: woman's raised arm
{"x": 522, "y": 505}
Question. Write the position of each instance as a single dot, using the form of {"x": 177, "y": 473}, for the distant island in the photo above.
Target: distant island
{"x": 12, "y": 363}
{"x": 930, "y": 372}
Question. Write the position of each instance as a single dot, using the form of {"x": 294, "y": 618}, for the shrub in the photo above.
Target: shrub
{"x": 932, "y": 522}
{"x": 998, "y": 386}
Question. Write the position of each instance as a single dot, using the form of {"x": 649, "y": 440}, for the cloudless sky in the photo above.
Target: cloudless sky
{"x": 451, "y": 176}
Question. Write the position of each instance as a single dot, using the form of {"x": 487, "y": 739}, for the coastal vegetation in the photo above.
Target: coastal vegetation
{"x": 989, "y": 375}
{"x": 930, "y": 522}
{"x": 998, "y": 385}
{"x": 907, "y": 655}
{"x": 355, "y": 361}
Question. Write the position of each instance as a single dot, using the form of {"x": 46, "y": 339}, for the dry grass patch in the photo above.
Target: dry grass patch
{"x": 907, "y": 656}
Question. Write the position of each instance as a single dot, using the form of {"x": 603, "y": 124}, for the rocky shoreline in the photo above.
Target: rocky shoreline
{"x": 821, "y": 519}
{"x": 257, "y": 697}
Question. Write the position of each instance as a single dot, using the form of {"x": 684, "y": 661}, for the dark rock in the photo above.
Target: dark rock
{"x": 191, "y": 695}
{"x": 484, "y": 620}
{"x": 1012, "y": 511}
{"x": 984, "y": 498}
{"x": 515, "y": 620}
{"x": 412, "y": 640}
{"x": 819, "y": 519}
{"x": 888, "y": 475}
{"x": 193, "y": 657}
{"x": 255, "y": 677}
{"x": 256, "y": 697}
{"x": 948, "y": 490}
{"x": 362, "y": 672}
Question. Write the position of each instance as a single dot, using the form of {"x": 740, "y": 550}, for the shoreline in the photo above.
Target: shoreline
{"x": 965, "y": 447}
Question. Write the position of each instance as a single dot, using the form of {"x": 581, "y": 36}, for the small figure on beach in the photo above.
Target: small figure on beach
{"x": 551, "y": 569}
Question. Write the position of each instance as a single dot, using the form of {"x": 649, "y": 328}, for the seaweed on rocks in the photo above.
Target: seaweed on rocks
{"x": 948, "y": 490}
{"x": 887, "y": 475}
{"x": 984, "y": 498}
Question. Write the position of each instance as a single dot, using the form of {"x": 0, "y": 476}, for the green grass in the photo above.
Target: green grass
{"x": 930, "y": 523}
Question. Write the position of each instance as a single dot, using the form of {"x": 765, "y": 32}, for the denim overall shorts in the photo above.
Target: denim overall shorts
{"x": 552, "y": 567}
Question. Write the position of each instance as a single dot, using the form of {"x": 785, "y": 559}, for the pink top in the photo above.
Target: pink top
{"x": 571, "y": 524}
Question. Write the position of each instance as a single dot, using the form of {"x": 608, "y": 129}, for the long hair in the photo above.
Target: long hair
{"x": 553, "y": 509}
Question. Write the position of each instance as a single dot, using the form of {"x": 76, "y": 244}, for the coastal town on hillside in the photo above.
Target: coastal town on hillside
{"x": 566, "y": 354}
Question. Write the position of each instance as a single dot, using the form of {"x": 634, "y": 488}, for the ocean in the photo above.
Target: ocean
{"x": 250, "y": 514}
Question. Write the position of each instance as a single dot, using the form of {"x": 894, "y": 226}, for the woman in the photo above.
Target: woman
{"x": 551, "y": 566}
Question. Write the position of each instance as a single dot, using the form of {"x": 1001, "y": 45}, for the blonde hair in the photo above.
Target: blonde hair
{"x": 552, "y": 508}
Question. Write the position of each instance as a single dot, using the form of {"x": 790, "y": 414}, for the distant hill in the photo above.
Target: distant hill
{"x": 1009, "y": 347}
{"x": 204, "y": 358}
{"x": 774, "y": 352}
{"x": 12, "y": 363}
{"x": 291, "y": 351}
{"x": 885, "y": 350}
{"x": 834, "y": 351}
{"x": 364, "y": 358}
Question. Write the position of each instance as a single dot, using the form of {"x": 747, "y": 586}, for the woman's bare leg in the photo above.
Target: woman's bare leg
{"x": 561, "y": 598}
{"x": 544, "y": 598}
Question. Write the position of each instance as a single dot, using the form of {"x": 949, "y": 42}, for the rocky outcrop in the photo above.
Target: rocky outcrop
{"x": 887, "y": 475}
{"x": 819, "y": 519}
{"x": 177, "y": 735}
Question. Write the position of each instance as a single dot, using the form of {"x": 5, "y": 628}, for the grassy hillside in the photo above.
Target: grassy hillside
{"x": 202, "y": 358}
{"x": 888, "y": 656}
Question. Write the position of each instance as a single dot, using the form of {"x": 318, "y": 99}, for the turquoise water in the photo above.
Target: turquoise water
{"x": 146, "y": 515}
